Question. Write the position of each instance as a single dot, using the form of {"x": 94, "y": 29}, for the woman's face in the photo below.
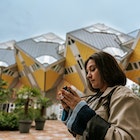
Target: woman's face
{"x": 93, "y": 75}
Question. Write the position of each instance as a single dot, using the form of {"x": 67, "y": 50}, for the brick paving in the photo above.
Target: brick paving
{"x": 54, "y": 130}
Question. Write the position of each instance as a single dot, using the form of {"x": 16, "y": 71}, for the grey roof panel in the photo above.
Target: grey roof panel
{"x": 36, "y": 49}
{"x": 104, "y": 38}
{"x": 7, "y": 56}
{"x": 97, "y": 39}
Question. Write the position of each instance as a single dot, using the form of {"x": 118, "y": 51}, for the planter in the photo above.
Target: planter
{"x": 24, "y": 126}
{"x": 39, "y": 124}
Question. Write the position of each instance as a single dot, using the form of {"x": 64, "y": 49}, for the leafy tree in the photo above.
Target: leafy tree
{"x": 5, "y": 94}
{"x": 42, "y": 104}
{"x": 136, "y": 89}
{"x": 25, "y": 97}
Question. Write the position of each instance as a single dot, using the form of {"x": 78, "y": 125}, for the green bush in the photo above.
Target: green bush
{"x": 8, "y": 121}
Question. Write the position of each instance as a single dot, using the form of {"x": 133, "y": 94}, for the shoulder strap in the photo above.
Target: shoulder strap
{"x": 109, "y": 98}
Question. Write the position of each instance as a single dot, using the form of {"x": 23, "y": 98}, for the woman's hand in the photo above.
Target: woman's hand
{"x": 60, "y": 97}
{"x": 70, "y": 97}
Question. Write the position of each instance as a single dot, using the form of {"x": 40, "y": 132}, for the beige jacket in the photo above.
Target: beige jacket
{"x": 124, "y": 114}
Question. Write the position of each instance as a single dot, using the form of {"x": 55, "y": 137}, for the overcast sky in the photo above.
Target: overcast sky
{"x": 22, "y": 19}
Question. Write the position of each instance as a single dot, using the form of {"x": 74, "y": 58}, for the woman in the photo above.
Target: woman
{"x": 111, "y": 113}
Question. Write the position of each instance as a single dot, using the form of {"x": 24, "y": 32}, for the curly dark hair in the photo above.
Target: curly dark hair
{"x": 109, "y": 69}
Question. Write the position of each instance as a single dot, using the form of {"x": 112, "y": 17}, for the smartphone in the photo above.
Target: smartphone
{"x": 66, "y": 88}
